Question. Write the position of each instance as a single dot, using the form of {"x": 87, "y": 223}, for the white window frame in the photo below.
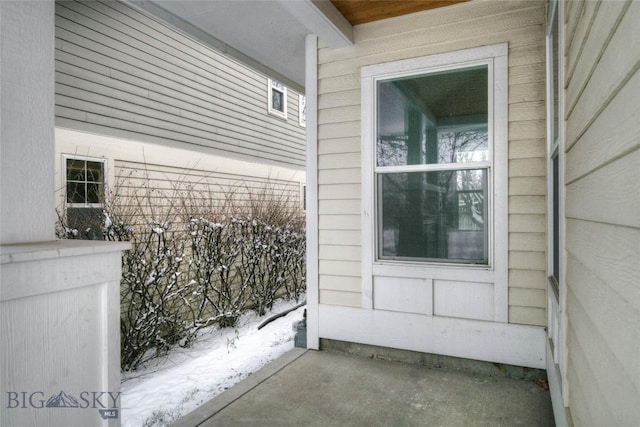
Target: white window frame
{"x": 439, "y": 167}
{"x": 556, "y": 296}
{"x": 276, "y": 86}
{"x": 302, "y": 110}
{"x": 495, "y": 57}
{"x": 66, "y": 157}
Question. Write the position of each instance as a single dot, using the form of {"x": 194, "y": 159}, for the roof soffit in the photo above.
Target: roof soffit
{"x": 267, "y": 35}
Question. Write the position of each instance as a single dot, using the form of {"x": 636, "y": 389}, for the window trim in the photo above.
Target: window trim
{"x": 556, "y": 293}
{"x": 497, "y": 269}
{"x": 275, "y": 85}
{"x": 554, "y": 153}
{"x": 66, "y": 157}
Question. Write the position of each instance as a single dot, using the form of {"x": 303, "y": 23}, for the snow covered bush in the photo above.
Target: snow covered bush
{"x": 152, "y": 296}
{"x": 267, "y": 255}
{"x": 220, "y": 297}
{"x": 243, "y": 263}
{"x": 198, "y": 258}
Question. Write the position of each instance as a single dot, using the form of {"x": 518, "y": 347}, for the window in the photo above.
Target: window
{"x": 555, "y": 183}
{"x": 302, "y": 110}
{"x": 85, "y": 190}
{"x": 435, "y": 160}
{"x": 435, "y": 176}
{"x": 85, "y": 182}
{"x": 277, "y": 104}
{"x": 303, "y": 196}
{"x": 553, "y": 148}
{"x": 555, "y": 220}
{"x": 432, "y": 166}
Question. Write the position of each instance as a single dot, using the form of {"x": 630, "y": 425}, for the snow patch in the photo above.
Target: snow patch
{"x": 167, "y": 388}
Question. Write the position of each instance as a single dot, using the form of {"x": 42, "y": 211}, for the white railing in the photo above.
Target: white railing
{"x": 60, "y": 333}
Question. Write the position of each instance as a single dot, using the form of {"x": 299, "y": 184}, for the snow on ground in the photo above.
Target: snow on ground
{"x": 169, "y": 387}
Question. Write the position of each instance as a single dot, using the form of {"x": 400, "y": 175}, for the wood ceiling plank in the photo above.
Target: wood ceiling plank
{"x": 363, "y": 11}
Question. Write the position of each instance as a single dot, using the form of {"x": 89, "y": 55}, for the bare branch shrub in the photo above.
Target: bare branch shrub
{"x": 201, "y": 255}
{"x": 213, "y": 271}
{"x": 151, "y": 295}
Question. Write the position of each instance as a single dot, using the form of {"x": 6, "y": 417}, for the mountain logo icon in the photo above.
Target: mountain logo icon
{"x": 62, "y": 400}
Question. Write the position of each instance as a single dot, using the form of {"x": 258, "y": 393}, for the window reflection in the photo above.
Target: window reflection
{"x": 435, "y": 118}
{"x": 85, "y": 181}
{"x": 434, "y": 215}
{"x": 438, "y": 124}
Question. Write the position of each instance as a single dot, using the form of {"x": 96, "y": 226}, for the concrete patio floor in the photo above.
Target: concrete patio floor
{"x": 328, "y": 388}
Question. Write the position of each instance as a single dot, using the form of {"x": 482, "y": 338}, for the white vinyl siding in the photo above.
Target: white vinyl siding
{"x": 123, "y": 74}
{"x": 602, "y": 212}
{"x": 442, "y": 30}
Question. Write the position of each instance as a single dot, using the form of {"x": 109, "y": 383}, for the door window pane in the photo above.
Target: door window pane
{"x": 437, "y": 216}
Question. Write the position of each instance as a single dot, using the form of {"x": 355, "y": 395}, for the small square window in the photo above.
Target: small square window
{"x": 277, "y": 103}
{"x": 85, "y": 181}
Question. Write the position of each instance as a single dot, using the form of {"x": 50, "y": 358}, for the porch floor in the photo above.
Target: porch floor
{"x": 327, "y": 388}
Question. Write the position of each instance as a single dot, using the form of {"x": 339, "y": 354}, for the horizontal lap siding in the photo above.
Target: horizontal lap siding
{"x": 603, "y": 212}
{"x": 149, "y": 192}
{"x": 447, "y": 29}
{"x": 123, "y": 74}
